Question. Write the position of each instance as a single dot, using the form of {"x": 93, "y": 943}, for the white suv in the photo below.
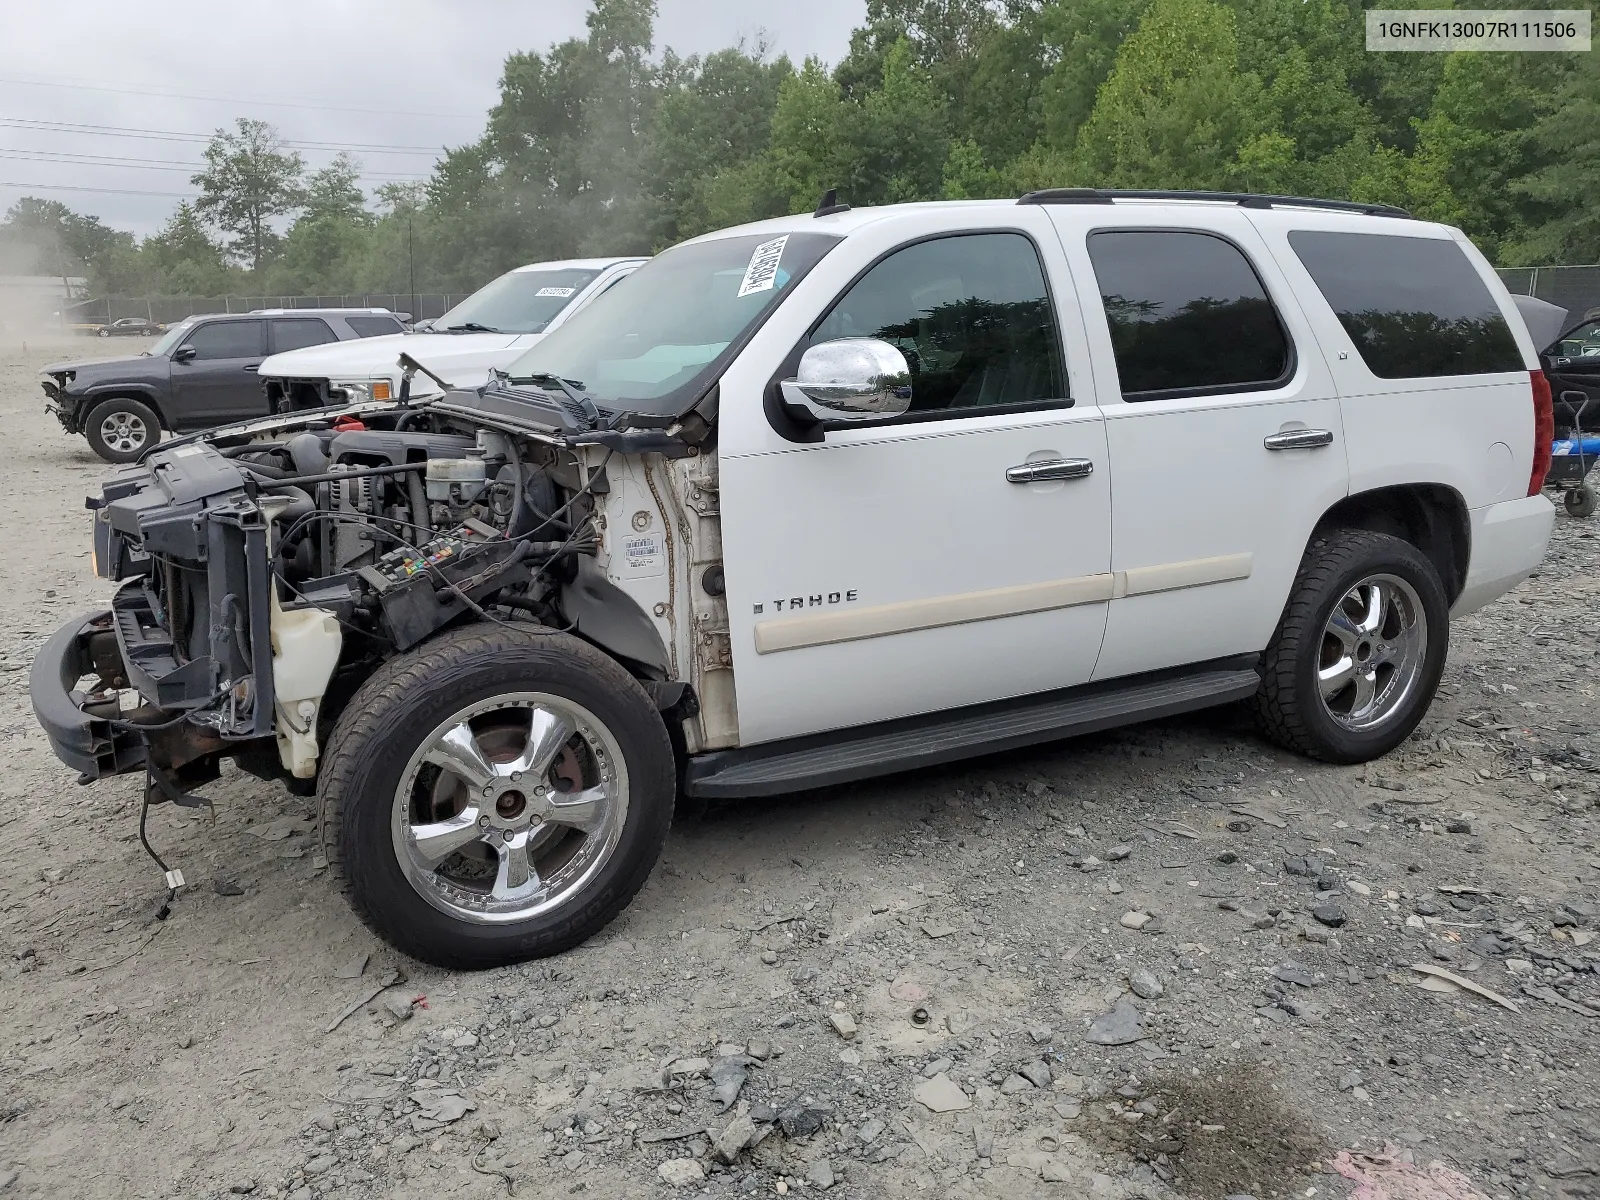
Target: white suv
{"x": 487, "y": 330}
{"x": 816, "y": 499}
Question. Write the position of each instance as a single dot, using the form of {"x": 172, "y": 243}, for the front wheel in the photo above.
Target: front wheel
{"x": 496, "y": 795}
{"x": 1358, "y": 653}
{"x": 121, "y": 429}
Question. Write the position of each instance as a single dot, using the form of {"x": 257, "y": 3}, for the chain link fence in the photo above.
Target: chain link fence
{"x": 1576, "y": 289}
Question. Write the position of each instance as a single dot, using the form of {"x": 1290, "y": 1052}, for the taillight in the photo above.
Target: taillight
{"x": 1544, "y": 431}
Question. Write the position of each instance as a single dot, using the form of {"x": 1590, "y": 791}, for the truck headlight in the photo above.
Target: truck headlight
{"x": 356, "y": 390}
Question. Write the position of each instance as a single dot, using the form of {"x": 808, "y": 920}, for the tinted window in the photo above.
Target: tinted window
{"x": 1188, "y": 314}
{"x": 1582, "y": 342}
{"x": 292, "y": 335}
{"x": 226, "y": 339}
{"x": 972, "y": 316}
{"x": 373, "y": 326}
{"x": 519, "y": 302}
{"x": 1413, "y": 306}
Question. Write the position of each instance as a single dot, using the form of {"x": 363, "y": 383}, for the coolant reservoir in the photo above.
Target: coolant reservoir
{"x": 305, "y": 649}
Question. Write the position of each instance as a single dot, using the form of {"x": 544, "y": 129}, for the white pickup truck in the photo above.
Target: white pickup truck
{"x": 816, "y": 499}
{"x": 486, "y": 331}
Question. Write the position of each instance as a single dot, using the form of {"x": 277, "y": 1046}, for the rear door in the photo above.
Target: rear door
{"x": 1223, "y": 426}
{"x": 296, "y": 333}
{"x": 218, "y": 383}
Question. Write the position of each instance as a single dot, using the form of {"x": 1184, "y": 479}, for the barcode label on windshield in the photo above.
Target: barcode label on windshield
{"x": 556, "y": 291}
{"x": 760, "y": 275}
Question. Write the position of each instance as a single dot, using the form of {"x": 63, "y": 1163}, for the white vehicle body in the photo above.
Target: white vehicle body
{"x": 891, "y": 571}
{"x": 463, "y": 358}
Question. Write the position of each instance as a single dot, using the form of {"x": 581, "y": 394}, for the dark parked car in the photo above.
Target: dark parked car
{"x": 201, "y": 373}
{"x": 131, "y": 327}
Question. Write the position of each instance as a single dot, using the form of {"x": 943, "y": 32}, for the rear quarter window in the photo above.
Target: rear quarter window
{"x": 1414, "y": 307}
{"x": 365, "y": 327}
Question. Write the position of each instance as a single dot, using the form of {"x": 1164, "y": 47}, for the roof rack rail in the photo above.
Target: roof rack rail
{"x": 1243, "y": 199}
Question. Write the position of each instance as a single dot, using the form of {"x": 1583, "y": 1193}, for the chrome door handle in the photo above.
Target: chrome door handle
{"x": 1298, "y": 439}
{"x": 1049, "y": 468}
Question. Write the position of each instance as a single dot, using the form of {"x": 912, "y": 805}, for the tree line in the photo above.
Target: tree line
{"x": 602, "y": 146}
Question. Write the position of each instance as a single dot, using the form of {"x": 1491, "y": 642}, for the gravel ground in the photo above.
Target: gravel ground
{"x": 804, "y": 982}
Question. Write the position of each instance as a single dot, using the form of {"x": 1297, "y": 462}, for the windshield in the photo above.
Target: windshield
{"x": 171, "y": 337}
{"x": 653, "y": 343}
{"x": 517, "y": 302}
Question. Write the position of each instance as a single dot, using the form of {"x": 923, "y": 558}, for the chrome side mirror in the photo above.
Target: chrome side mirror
{"x": 852, "y": 379}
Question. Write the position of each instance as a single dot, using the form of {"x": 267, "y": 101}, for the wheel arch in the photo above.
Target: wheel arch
{"x": 124, "y": 391}
{"x": 1431, "y": 516}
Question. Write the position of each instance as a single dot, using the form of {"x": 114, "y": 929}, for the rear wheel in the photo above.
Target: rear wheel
{"x": 495, "y": 796}
{"x": 121, "y": 429}
{"x": 1358, "y": 654}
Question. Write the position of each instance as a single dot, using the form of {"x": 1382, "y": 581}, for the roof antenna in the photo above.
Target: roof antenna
{"x": 830, "y": 204}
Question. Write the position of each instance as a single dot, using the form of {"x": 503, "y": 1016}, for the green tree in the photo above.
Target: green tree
{"x": 182, "y": 259}
{"x": 250, "y": 178}
{"x": 1176, "y": 109}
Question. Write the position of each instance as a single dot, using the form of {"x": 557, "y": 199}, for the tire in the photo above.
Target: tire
{"x": 386, "y": 812}
{"x": 1385, "y": 679}
{"x": 121, "y": 429}
{"x": 1581, "y": 501}
{"x": 105, "y": 333}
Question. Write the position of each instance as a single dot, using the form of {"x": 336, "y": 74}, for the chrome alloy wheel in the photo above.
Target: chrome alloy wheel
{"x": 510, "y": 807}
{"x": 124, "y": 432}
{"x": 1373, "y": 649}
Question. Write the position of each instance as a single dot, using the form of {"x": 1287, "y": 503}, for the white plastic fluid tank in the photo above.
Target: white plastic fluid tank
{"x": 305, "y": 650}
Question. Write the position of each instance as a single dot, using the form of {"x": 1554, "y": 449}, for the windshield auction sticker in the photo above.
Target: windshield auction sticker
{"x": 1437, "y": 29}
{"x": 554, "y": 291}
{"x": 762, "y": 272}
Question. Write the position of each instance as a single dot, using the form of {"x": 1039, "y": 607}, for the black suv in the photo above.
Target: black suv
{"x": 200, "y": 374}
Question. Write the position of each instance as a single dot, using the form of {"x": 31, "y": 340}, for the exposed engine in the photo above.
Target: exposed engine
{"x": 325, "y": 547}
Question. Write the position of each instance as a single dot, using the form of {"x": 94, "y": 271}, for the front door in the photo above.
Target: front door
{"x": 914, "y": 564}
{"x": 219, "y": 384}
{"x": 1573, "y": 364}
{"x": 1224, "y": 430}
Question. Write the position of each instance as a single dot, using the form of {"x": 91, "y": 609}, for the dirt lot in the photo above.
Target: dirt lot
{"x": 970, "y": 929}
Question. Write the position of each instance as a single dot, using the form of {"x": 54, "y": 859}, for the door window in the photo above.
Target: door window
{"x": 303, "y": 331}
{"x": 1580, "y": 345}
{"x": 226, "y": 339}
{"x": 1189, "y": 316}
{"x": 973, "y": 317}
{"x": 1414, "y": 307}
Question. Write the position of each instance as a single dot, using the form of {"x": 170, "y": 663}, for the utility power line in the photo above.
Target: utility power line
{"x": 118, "y": 162}
{"x": 169, "y": 135}
{"x": 69, "y": 187}
{"x": 126, "y": 89}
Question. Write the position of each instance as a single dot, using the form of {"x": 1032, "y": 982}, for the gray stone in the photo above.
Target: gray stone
{"x": 1036, "y": 1073}
{"x": 843, "y": 1024}
{"x": 399, "y": 1007}
{"x": 870, "y": 1130}
{"x": 759, "y": 1049}
{"x": 819, "y": 1174}
{"x": 1329, "y": 914}
{"x": 681, "y": 1172}
{"x": 803, "y": 975}
{"x": 1121, "y": 1026}
{"x": 321, "y": 1164}
{"x": 937, "y": 1067}
{"x": 1012, "y": 1084}
{"x": 732, "y": 1138}
{"x": 1118, "y": 853}
{"x": 941, "y": 1095}
{"x": 1054, "y": 1172}
{"x": 982, "y": 1141}
{"x": 1297, "y": 973}
{"x": 802, "y": 1116}
{"x": 1349, "y": 1080}
{"x": 1134, "y": 920}
{"x": 1458, "y": 825}
{"x": 1041, "y": 1034}
{"x": 1145, "y": 985}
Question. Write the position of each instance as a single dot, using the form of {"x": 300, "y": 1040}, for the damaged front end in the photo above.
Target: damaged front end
{"x": 266, "y": 569}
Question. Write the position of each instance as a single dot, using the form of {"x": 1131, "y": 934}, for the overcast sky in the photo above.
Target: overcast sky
{"x": 78, "y": 77}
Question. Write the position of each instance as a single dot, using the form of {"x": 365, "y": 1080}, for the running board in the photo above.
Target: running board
{"x": 819, "y": 760}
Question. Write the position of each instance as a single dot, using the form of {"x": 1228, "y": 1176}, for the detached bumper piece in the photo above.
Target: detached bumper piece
{"x": 80, "y": 729}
